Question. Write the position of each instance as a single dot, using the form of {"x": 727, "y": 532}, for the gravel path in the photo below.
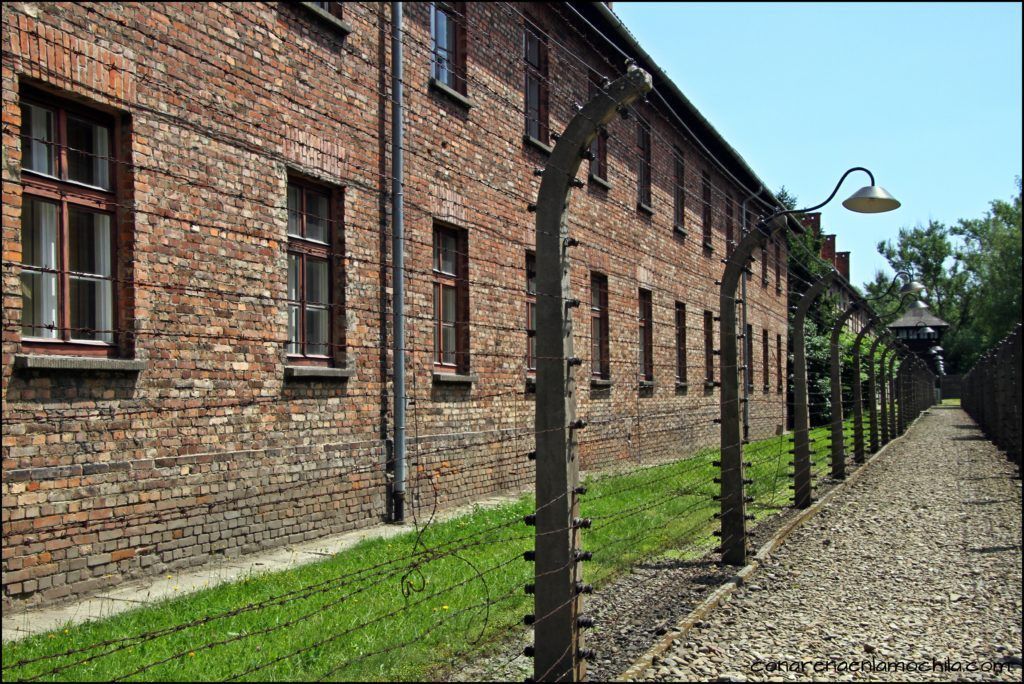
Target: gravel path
{"x": 918, "y": 561}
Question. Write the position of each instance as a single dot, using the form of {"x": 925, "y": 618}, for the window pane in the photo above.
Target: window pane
{"x": 88, "y": 242}
{"x": 92, "y": 307}
{"x": 39, "y": 233}
{"x": 39, "y": 248}
{"x": 294, "y": 207}
{"x": 595, "y": 346}
{"x": 37, "y": 152}
{"x": 445, "y": 249}
{"x": 88, "y": 152}
{"x": 293, "y": 328}
{"x": 316, "y": 281}
{"x": 317, "y": 216}
{"x": 448, "y": 304}
{"x": 316, "y": 331}
{"x": 294, "y": 292}
{"x": 448, "y": 344}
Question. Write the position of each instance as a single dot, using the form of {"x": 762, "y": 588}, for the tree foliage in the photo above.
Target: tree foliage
{"x": 971, "y": 272}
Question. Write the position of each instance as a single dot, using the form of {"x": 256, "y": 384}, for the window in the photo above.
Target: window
{"x": 531, "y": 311}
{"x": 709, "y": 352}
{"x": 332, "y": 8}
{"x": 536, "y": 57}
{"x": 779, "y": 386}
{"x": 748, "y": 357}
{"x": 313, "y": 242}
{"x": 764, "y": 266}
{"x": 600, "y": 366}
{"x": 680, "y": 343}
{"x": 643, "y": 144}
{"x": 448, "y": 44}
{"x": 598, "y": 148}
{"x": 729, "y": 228}
{"x": 705, "y": 181}
{"x": 765, "y": 363}
{"x": 778, "y": 268}
{"x": 68, "y": 228}
{"x": 451, "y": 299}
{"x": 646, "y": 336}
{"x": 679, "y": 194}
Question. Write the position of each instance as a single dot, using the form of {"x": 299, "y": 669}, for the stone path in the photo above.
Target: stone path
{"x": 912, "y": 573}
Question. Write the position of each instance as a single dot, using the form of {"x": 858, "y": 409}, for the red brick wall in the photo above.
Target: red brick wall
{"x": 209, "y": 450}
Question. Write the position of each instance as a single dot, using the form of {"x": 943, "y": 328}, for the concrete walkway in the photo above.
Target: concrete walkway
{"x": 141, "y": 592}
{"x": 913, "y": 573}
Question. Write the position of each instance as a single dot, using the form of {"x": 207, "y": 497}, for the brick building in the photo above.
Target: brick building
{"x": 196, "y": 346}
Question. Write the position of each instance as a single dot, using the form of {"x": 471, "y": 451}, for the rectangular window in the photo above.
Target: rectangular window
{"x": 531, "y": 311}
{"x": 332, "y": 8}
{"x": 705, "y": 183}
{"x": 598, "y": 148}
{"x": 679, "y": 191}
{"x": 643, "y": 144}
{"x": 313, "y": 243}
{"x": 764, "y": 266}
{"x": 765, "y": 362}
{"x": 646, "y": 325}
{"x": 729, "y": 227}
{"x": 748, "y": 357}
{"x": 600, "y": 366}
{"x": 681, "y": 343}
{"x": 451, "y": 299}
{"x": 68, "y": 228}
{"x": 778, "y": 268}
{"x": 448, "y": 43}
{"x": 778, "y": 364}
{"x": 709, "y": 344}
{"x": 535, "y": 54}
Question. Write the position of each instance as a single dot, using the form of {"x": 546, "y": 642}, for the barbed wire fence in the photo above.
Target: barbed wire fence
{"x": 653, "y": 479}
{"x": 991, "y": 394}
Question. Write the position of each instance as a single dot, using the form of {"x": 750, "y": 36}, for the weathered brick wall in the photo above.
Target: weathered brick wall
{"x": 209, "y": 450}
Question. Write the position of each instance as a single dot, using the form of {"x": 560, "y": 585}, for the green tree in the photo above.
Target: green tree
{"x": 991, "y": 256}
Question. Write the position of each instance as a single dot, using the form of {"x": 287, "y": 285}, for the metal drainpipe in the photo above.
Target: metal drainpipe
{"x": 398, "y": 263}
{"x": 743, "y": 321}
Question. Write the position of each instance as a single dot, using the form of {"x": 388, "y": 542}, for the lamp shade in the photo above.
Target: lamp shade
{"x": 912, "y": 287}
{"x": 871, "y": 199}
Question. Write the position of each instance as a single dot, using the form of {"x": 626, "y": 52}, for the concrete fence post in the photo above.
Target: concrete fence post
{"x": 873, "y": 390}
{"x": 836, "y": 382}
{"x": 557, "y": 583}
{"x": 858, "y": 395}
{"x": 801, "y": 419}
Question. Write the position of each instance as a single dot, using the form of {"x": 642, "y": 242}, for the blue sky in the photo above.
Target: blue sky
{"x": 926, "y": 95}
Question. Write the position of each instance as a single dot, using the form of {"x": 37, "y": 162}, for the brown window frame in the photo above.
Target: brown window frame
{"x": 709, "y": 347}
{"x": 778, "y": 267}
{"x": 644, "y": 169}
{"x": 459, "y": 281}
{"x": 679, "y": 191}
{"x": 706, "y": 214}
{"x": 778, "y": 364}
{"x": 535, "y": 73}
{"x": 66, "y": 194}
{"x": 748, "y": 357}
{"x": 730, "y": 228}
{"x": 600, "y": 363}
{"x": 764, "y": 266}
{"x": 329, "y": 250}
{"x": 681, "y": 373}
{"x": 455, "y": 17}
{"x": 599, "y": 147}
{"x": 645, "y": 322}
{"x": 765, "y": 362}
{"x": 531, "y": 312}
